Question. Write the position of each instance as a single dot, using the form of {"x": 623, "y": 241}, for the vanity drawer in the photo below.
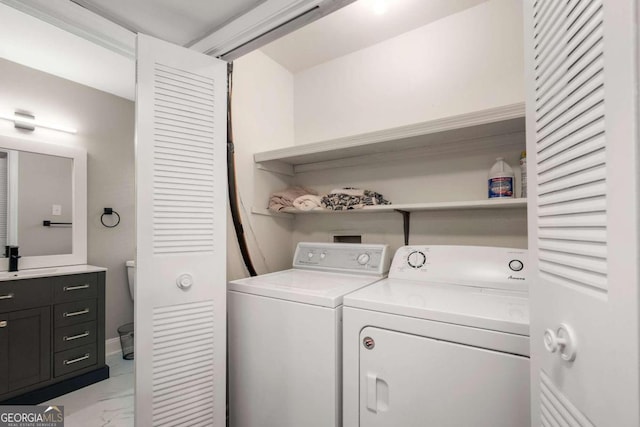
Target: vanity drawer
{"x": 75, "y": 287}
{"x": 72, "y": 313}
{"x": 74, "y": 359}
{"x": 74, "y": 336}
{"x": 24, "y": 293}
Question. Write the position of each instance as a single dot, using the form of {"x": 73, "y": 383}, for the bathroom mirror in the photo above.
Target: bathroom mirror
{"x": 42, "y": 203}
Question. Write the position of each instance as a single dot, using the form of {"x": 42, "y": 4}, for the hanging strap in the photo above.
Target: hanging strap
{"x": 231, "y": 179}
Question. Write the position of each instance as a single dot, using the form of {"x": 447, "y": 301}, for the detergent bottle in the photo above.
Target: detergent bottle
{"x": 501, "y": 180}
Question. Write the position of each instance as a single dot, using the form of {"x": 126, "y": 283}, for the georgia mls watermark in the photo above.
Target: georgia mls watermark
{"x": 31, "y": 416}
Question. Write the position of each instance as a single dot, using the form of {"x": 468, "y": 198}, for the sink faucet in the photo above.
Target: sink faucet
{"x": 11, "y": 252}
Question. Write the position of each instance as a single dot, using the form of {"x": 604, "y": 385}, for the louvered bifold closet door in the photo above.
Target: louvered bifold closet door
{"x": 571, "y": 152}
{"x": 581, "y": 146}
{"x": 180, "y": 301}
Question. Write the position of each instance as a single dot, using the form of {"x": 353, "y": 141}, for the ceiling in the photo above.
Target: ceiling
{"x": 180, "y": 22}
{"x": 221, "y": 28}
{"x": 67, "y": 40}
{"x": 357, "y": 26}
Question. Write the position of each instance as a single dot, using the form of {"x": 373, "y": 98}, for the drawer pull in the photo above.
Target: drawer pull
{"x": 75, "y": 288}
{"x": 3, "y": 323}
{"x": 78, "y": 359}
{"x": 75, "y": 313}
{"x": 75, "y": 337}
{"x": 7, "y": 296}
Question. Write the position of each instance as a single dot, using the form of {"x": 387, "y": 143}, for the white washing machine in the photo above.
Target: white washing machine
{"x": 442, "y": 342}
{"x": 285, "y": 336}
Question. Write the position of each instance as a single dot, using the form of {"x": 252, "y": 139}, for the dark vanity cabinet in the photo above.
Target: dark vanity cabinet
{"x": 51, "y": 336}
{"x": 25, "y": 341}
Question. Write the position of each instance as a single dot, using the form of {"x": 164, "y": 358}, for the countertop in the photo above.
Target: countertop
{"x": 49, "y": 272}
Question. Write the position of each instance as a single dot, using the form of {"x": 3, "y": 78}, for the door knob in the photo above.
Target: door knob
{"x": 562, "y": 340}
{"x": 184, "y": 281}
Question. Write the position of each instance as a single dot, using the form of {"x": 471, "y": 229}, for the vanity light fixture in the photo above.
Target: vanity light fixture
{"x": 27, "y": 121}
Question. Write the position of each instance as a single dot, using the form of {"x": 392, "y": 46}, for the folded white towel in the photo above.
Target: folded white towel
{"x": 349, "y": 191}
{"x": 307, "y": 202}
{"x": 284, "y": 199}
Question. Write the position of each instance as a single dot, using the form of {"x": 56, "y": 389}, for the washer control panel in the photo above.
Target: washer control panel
{"x": 343, "y": 257}
{"x": 481, "y": 266}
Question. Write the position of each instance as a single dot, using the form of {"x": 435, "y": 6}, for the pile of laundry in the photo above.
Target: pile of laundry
{"x": 338, "y": 199}
{"x": 294, "y": 197}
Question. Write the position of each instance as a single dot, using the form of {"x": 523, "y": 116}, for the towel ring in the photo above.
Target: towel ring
{"x": 110, "y": 211}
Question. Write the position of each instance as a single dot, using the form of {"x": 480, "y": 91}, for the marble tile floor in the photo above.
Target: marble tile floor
{"x": 108, "y": 403}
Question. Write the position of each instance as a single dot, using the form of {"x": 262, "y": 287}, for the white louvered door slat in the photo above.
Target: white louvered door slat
{"x": 180, "y": 229}
{"x": 583, "y": 169}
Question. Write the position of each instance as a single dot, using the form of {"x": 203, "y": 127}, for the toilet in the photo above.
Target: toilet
{"x": 131, "y": 276}
{"x": 126, "y": 331}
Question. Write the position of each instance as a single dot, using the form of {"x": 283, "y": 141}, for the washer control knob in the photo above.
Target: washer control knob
{"x": 516, "y": 265}
{"x": 323, "y": 255}
{"x": 310, "y": 255}
{"x": 184, "y": 281}
{"x": 364, "y": 258}
{"x": 416, "y": 259}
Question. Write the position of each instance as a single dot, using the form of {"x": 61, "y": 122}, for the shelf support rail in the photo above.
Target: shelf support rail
{"x": 406, "y": 223}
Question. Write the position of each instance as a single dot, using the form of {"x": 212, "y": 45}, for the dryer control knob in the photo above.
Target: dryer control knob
{"x": 516, "y": 265}
{"x": 416, "y": 259}
{"x": 310, "y": 255}
{"x": 363, "y": 259}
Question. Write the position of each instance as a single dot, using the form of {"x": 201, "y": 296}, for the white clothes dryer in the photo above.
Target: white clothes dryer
{"x": 285, "y": 336}
{"x": 442, "y": 342}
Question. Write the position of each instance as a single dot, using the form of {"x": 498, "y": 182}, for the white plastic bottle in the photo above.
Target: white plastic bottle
{"x": 501, "y": 180}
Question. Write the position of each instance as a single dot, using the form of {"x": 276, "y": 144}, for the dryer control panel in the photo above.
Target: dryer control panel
{"x": 343, "y": 257}
{"x": 481, "y": 266}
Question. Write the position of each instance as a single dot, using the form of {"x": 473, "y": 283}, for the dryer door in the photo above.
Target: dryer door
{"x": 413, "y": 381}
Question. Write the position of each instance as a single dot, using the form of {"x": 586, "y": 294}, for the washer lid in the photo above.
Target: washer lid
{"x": 310, "y": 287}
{"x": 492, "y": 309}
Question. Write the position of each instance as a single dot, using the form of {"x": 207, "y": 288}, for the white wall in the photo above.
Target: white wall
{"x": 263, "y": 120}
{"x": 37, "y": 44}
{"x": 469, "y": 61}
{"x": 105, "y": 126}
{"x": 465, "y": 62}
{"x": 425, "y": 179}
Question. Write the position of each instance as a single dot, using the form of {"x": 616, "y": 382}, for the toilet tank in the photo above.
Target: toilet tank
{"x": 131, "y": 276}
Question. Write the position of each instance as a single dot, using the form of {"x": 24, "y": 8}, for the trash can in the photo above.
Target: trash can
{"x": 126, "y": 340}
